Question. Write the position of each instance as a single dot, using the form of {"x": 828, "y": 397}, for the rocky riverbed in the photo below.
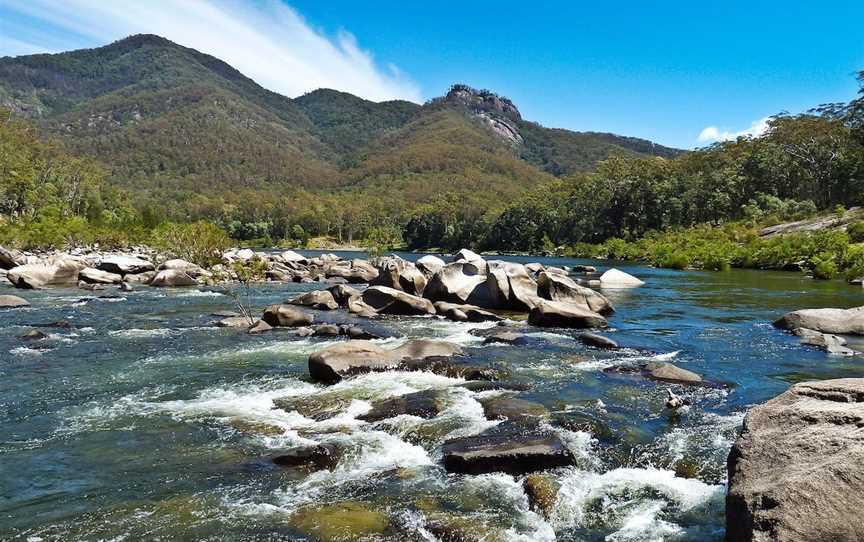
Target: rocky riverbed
{"x": 402, "y": 399}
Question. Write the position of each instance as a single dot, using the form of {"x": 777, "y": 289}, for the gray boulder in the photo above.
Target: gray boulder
{"x": 429, "y": 265}
{"x": 96, "y": 276}
{"x": 455, "y": 282}
{"x": 188, "y": 268}
{"x": 614, "y": 278}
{"x": 282, "y": 315}
{"x": 465, "y": 255}
{"x": 513, "y": 447}
{"x": 833, "y": 344}
{"x": 342, "y": 294}
{"x": 597, "y": 341}
{"x": 399, "y": 274}
{"x": 356, "y": 271}
{"x": 464, "y": 313}
{"x": 125, "y": 265}
{"x": 173, "y": 278}
{"x": 666, "y": 372}
{"x": 316, "y": 299}
{"x": 10, "y": 258}
{"x": 59, "y": 272}
{"x": 12, "y": 302}
{"x": 843, "y": 321}
{"x": 511, "y": 408}
{"x": 556, "y": 287}
{"x": 558, "y": 314}
{"x": 391, "y": 301}
{"x": 796, "y": 472}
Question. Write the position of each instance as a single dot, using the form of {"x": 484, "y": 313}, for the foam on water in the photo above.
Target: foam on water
{"x": 191, "y": 293}
{"x": 136, "y": 333}
{"x": 623, "y": 511}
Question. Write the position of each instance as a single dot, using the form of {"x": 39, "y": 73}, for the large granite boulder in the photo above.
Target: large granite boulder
{"x": 523, "y": 292}
{"x": 282, "y": 315}
{"x": 343, "y": 294}
{"x": 391, "y": 301}
{"x": 316, "y": 299}
{"x": 356, "y": 271}
{"x": 514, "y": 447}
{"x": 12, "y": 302}
{"x": 355, "y": 357}
{"x": 843, "y": 321}
{"x": 97, "y": 276}
{"x": 796, "y": 473}
{"x": 173, "y": 278}
{"x": 429, "y": 265}
{"x": 194, "y": 271}
{"x": 59, "y": 272}
{"x": 399, "y": 274}
{"x": 614, "y": 278}
{"x": 289, "y": 256}
{"x": 465, "y": 255}
{"x": 559, "y": 314}
{"x": 557, "y": 287}
{"x": 125, "y": 265}
{"x": 455, "y": 282}
{"x": 10, "y": 258}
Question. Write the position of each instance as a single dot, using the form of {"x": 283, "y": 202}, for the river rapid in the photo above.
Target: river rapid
{"x": 144, "y": 421}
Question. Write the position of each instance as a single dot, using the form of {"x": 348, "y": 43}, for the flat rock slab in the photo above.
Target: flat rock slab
{"x": 386, "y": 300}
{"x": 511, "y": 408}
{"x": 511, "y": 447}
{"x": 843, "y": 321}
{"x": 796, "y": 473}
{"x": 560, "y": 314}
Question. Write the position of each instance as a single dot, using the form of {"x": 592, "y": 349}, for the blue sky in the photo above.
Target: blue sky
{"x": 667, "y": 71}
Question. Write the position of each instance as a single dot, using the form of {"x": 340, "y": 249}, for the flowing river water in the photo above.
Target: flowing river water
{"x": 143, "y": 421}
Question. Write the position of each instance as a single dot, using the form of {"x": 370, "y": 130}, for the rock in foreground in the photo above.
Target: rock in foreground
{"x": 513, "y": 447}
{"x": 796, "y": 473}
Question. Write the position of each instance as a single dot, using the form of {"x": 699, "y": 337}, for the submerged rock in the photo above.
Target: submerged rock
{"x": 542, "y": 492}
{"x": 559, "y": 314}
{"x": 340, "y": 522}
{"x": 424, "y": 404}
{"x": 614, "y": 278}
{"x": 504, "y": 336}
{"x": 843, "y": 321}
{"x": 318, "y": 457}
{"x": 597, "y": 341}
{"x": 235, "y": 321}
{"x": 33, "y": 335}
{"x": 12, "y": 302}
{"x": 511, "y": 408}
{"x": 796, "y": 472}
{"x": 511, "y": 447}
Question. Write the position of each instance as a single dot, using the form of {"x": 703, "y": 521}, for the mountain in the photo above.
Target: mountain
{"x": 175, "y": 125}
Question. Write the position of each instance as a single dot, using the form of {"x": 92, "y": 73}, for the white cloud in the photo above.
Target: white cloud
{"x": 713, "y": 133}
{"x": 266, "y": 40}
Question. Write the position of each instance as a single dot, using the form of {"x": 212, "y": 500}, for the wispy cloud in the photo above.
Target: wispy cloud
{"x": 266, "y": 40}
{"x": 713, "y": 133}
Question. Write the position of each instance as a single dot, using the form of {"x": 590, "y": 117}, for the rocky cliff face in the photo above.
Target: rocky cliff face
{"x": 796, "y": 472}
{"x": 496, "y": 112}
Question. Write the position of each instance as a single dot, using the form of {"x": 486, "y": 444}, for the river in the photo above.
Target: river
{"x": 143, "y": 421}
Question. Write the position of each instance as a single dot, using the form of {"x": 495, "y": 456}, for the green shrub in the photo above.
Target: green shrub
{"x": 676, "y": 260}
{"x": 855, "y": 231}
{"x": 201, "y": 243}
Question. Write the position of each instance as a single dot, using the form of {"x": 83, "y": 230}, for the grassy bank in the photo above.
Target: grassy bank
{"x": 825, "y": 254}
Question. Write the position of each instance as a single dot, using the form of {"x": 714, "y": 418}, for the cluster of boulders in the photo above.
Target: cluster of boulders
{"x": 824, "y": 328}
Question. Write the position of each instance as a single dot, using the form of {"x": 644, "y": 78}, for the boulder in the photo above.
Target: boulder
{"x": 423, "y": 404}
{"x": 399, "y": 274}
{"x": 521, "y": 289}
{"x": 326, "y": 330}
{"x": 514, "y": 447}
{"x": 140, "y": 278}
{"x": 12, "y": 302}
{"x": 125, "y": 265}
{"x": 10, "y": 258}
{"x": 39, "y": 275}
{"x": 542, "y": 492}
{"x": 357, "y": 271}
{"x": 342, "y": 294}
{"x": 534, "y": 268}
{"x": 173, "y": 277}
{"x": 504, "y": 336}
{"x": 557, "y": 287}
{"x": 455, "y": 282}
{"x": 559, "y": 314}
{"x": 466, "y": 255}
{"x": 282, "y": 315}
{"x": 584, "y": 269}
{"x": 189, "y": 268}
{"x": 511, "y": 408}
{"x": 358, "y": 307}
{"x": 429, "y": 265}
{"x": 316, "y": 299}
{"x": 235, "y": 321}
{"x": 391, "y": 301}
{"x": 613, "y": 278}
{"x": 354, "y": 357}
{"x": 843, "y": 321}
{"x": 33, "y": 335}
{"x": 96, "y": 276}
{"x": 289, "y": 256}
{"x": 464, "y": 313}
{"x": 259, "y": 327}
{"x": 833, "y": 344}
{"x": 796, "y": 472}
{"x": 666, "y": 372}
{"x": 597, "y": 341}
{"x": 340, "y": 522}
{"x": 317, "y": 457}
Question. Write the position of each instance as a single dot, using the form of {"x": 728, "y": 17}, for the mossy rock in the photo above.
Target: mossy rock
{"x": 344, "y": 521}
{"x": 318, "y": 407}
{"x": 686, "y": 468}
{"x": 249, "y": 427}
{"x": 449, "y": 527}
{"x": 542, "y": 491}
